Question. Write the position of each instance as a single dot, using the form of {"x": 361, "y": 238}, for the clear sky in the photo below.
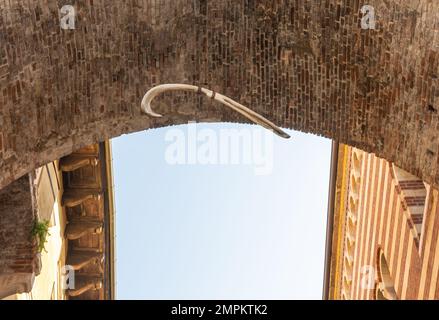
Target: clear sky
{"x": 220, "y": 231}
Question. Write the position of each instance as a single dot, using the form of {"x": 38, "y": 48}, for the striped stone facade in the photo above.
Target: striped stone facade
{"x": 385, "y": 238}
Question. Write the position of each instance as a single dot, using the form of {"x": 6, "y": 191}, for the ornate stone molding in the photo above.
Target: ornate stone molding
{"x": 74, "y": 197}
{"x": 84, "y": 284}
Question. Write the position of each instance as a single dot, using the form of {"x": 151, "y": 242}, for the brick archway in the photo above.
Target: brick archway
{"x": 303, "y": 64}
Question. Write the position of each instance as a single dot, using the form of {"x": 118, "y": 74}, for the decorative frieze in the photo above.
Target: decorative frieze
{"x": 351, "y": 221}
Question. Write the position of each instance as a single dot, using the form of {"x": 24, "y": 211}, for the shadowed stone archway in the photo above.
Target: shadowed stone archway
{"x": 304, "y": 64}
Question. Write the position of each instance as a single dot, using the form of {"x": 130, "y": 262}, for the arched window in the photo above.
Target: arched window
{"x": 385, "y": 289}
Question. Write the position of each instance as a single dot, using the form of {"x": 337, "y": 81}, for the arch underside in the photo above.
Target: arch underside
{"x": 305, "y": 65}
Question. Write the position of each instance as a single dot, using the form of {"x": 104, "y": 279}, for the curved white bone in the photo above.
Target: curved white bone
{"x": 246, "y": 112}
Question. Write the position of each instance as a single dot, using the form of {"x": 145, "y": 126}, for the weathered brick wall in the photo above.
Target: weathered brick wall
{"x": 304, "y": 64}
{"x": 18, "y": 251}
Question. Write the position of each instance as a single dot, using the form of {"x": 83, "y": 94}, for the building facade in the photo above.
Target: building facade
{"x": 384, "y": 231}
{"x": 72, "y": 207}
{"x": 305, "y": 65}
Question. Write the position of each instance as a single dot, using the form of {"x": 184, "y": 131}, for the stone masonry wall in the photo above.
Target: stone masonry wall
{"x": 304, "y": 64}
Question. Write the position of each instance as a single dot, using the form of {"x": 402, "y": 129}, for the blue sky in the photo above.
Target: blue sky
{"x": 220, "y": 231}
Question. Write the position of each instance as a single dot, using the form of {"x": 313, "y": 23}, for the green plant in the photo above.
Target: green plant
{"x": 40, "y": 230}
